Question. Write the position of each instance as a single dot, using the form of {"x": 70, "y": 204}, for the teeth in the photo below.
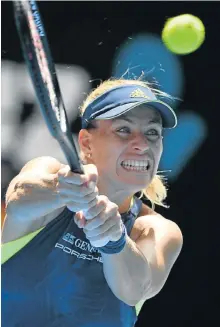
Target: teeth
{"x": 135, "y": 164}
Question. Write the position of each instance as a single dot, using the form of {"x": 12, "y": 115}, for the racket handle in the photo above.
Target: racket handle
{"x": 71, "y": 153}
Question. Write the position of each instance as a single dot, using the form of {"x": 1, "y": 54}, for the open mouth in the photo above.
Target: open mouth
{"x": 136, "y": 165}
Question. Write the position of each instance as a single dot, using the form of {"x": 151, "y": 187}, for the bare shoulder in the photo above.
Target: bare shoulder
{"x": 142, "y": 222}
{"x": 151, "y": 220}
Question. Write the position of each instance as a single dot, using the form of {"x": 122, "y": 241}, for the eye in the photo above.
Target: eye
{"x": 125, "y": 130}
{"x": 153, "y": 134}
{"x": 153, "y": 131}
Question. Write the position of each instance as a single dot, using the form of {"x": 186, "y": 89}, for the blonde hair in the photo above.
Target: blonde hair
{"x": 156, "y": 191}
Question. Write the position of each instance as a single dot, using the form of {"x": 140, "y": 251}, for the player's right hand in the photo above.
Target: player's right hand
{"x": 78, "y": 192}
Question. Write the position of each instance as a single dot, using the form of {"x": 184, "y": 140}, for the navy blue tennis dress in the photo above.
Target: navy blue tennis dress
{"x": 57, "y": 279}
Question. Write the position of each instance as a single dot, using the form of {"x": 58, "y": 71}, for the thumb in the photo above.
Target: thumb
{"x": 80, "y": 219}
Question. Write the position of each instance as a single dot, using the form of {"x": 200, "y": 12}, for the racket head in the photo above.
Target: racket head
{"x": 42, "y": 71}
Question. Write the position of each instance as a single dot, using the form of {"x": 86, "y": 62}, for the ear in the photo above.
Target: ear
{"x": 84, "y": 139}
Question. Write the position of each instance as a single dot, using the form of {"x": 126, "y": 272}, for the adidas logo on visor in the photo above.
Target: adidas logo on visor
{"x": 138, "y": 94}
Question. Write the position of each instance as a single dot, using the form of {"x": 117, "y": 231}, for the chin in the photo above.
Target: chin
{"x": 133, "y": 180}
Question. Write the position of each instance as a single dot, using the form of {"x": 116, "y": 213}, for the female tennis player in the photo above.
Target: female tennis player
{"x": 84, "y": 250}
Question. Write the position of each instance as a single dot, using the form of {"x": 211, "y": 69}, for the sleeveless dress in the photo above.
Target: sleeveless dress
{"x": 54, "y": 277}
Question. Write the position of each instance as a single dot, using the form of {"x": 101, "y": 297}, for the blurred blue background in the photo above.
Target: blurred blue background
{"x": 93, "y": 41}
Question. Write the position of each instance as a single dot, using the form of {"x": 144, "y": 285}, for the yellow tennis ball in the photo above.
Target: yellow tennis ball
{"x": 183, "y": 34}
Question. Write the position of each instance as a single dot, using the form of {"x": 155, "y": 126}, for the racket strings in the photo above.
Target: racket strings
{"x": 43, "y": 64}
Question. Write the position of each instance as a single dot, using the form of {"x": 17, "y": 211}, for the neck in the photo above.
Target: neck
{"x": 119, "y": 197}
{"x": 125, "y": 206}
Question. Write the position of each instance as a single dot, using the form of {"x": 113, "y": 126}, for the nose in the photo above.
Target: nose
{"x": 140, "y": 143}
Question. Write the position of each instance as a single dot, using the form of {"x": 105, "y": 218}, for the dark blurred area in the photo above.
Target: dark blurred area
{"x": 92, "y": 41}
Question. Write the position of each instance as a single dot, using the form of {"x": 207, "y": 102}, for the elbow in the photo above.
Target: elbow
{"x": 130, "y": 300}
{"x": 134, "y": 299}
{"x": 131, "y": 303}
{"x": 132, "y": 296}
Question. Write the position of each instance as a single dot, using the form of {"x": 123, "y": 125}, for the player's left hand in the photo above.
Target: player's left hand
{"x": 103, "y": 222}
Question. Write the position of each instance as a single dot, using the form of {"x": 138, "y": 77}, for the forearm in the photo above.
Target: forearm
{"x": 32, "y": 195}
{"x": 127, "y": 273}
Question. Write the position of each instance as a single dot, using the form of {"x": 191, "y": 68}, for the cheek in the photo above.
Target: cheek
{"x": 158, "y": 153}
{"x": 159, "y": 150}
{"x": 105, "y": 153}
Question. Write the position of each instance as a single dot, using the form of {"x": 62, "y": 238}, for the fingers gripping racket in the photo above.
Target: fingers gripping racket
{"x": 38, "y": 58}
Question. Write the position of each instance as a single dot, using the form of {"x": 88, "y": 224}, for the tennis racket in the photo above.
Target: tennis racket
{"x": 42, "y": 71}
